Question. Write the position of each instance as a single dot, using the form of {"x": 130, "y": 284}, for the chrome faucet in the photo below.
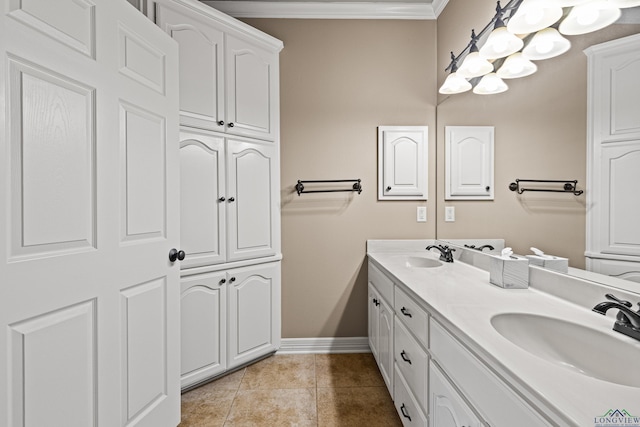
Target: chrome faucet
{"x": 446, "y": 253}
{"x": 627, "y": 320}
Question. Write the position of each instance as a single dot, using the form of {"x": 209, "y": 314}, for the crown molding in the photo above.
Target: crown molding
{"x": 328, "y": 10}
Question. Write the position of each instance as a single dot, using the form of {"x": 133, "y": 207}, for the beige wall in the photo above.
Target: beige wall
{"x": 540, "y": 133}
{"x": 340, "y": 79}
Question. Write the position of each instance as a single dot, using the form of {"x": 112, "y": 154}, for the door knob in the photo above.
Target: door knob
{"x": 231, "y": 199}
{"x": 175, "y": 254}
{"x": 220, "y": 122}
{"x": 221, "y": 199}
{"x": 231, "y": 125}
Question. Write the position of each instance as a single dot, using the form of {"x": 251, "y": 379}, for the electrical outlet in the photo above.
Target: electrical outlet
{"x": 421, "y": 215}
{"x": 449, "y": 214}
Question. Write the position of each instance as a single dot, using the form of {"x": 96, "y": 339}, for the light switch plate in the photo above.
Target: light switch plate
{"x": 449, "y": 214}
{"x": 421, "y": 215}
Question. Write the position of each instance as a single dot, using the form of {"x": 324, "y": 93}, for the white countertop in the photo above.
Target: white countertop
{"x": 462, "y": 299}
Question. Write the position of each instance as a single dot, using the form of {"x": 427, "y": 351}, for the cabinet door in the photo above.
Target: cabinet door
{"x": 201, "y": 65}
{"x": 373, "y": 315}
{"x": 202, "y": 208}
{"x": 385, "y": 342}
{"x": 447, "y": 408}
{"x": 619, "y": 203}
{"x": 254, "y": 312}
{"x": 203, "y": 303}
{"x": 402, "y": 162}
{"x": 252, "y": 90}
{"x": 469, "y": 163}
{"x": 252, "y": 211}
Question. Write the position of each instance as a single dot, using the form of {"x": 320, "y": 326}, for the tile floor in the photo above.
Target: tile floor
{"x": 295, "y": 390}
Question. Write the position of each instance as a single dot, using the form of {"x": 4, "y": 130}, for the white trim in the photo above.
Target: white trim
{"x": 438, "y": 6}
{"x": 330, "y": 10}
{"x": 324, "y": 345}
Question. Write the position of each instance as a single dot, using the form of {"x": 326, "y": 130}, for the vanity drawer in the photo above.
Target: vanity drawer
{"x": 382, "y": 283}
{"x": 497, "y": 403}
{"x": 447, "y": 406}
{"x": 412, "y": 361}
{"x": 405, "y": 403}
{"x": 412, "y": 315}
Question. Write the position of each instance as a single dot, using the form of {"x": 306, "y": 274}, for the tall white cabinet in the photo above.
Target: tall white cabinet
{"x": 613, "y": 158}
{"x": 230, "y": 190}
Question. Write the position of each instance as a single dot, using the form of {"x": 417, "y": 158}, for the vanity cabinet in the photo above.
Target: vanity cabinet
{"x": 229, "y": 209}
{"x": 228, "y": 73}
{"x": 448, "y": 408}
{"x": 239, "y": 307}
{"x": 381, "y": 324}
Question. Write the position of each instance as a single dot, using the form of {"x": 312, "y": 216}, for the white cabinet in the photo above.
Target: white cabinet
{"x": 239, "y": 307}
{"x": 402, "y": 162}
{"x": 254, "y": 312}
{"x": 405, "y": 402}
{"x": 613, "y": 158}
{"x": 203, "y": 325}
{"x": 229, "y": 207}
{"x": 381, "y": 334}
{"x": 228, "y": 79}
{"x": 469, "y": 162}
{"x": 230, "y": 187}
{"x": 447, "y": 408}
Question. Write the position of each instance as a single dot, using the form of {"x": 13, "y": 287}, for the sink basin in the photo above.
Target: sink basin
{"x": 420, "y": 262}
{"x": 573, "y": 346}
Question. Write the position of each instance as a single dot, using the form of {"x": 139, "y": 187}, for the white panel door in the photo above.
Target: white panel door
{"x": 203, "y": 325}
{"x": 202, "y": 199}
{"x": 88, "y": 300}
{"x": 201, "y": 65}
{"x": 252, "y": 90}
{"x": 469, "y": 162}
{"x": 402, "y": 162}
{"x": 254, "y": 312}
{"x": 251, "y": 193}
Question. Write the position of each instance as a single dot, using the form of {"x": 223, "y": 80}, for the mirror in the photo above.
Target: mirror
{"x": 540, "y": 133}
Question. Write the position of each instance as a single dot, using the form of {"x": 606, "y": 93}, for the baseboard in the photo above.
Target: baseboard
{"x": 324, "y": 345}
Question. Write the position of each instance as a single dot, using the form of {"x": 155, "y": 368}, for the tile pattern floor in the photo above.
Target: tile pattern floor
{"x": 324, "y": 390}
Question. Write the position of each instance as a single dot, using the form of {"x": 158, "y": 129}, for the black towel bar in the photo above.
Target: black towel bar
{"x": 355, "y": 187}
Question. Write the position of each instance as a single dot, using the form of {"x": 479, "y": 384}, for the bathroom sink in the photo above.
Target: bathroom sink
{"x": 573, "y": 346}
{"x": 420, "y": 262}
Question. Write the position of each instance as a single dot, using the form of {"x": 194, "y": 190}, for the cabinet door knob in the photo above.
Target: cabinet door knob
{"x": 232, "y": 199}
{"x": 388, "y": 188}
{"x": 405, "y": 312}
{"x": 175, "y": 254}
{"x": 223, "y": 280}
{"x": 404, "y": 411}
{"x": 220, "y": 122}
{"x": 405, "y": 357}
{"x": 231, "y": 125}
{"x": 487, "y": 188}
{"x": 231, "y": 280}
{"x": 221, "y": 199}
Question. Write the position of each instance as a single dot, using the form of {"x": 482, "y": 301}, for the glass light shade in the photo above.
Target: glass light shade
{"x": 547, "y": 43}
{"x": 474, "y": 66}
{"x": 490, "y": 84}
{"x": 624, "y": 3}
{"x": 500, "y": 43}
{"x": 455, "y": 84}
{"x": 589, "y": 17}
{"x": 516, "y": 66}
{"x": 534, "y": 15}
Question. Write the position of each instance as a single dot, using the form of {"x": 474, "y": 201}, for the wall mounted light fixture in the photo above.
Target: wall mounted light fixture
{"x": 525, "y": 31}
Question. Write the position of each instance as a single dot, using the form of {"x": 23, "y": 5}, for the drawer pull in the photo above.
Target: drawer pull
{"x": 376, "y": 302}
{"x": 405, "y": 312}
{"x": 404, "y": 411}
{"x": 404, "y": 357}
